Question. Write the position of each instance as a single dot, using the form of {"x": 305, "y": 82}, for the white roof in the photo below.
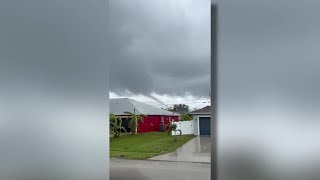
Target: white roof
{"x": 120, "y": 105}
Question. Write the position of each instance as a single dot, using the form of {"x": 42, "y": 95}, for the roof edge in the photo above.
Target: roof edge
{"x": 200, "y": 113}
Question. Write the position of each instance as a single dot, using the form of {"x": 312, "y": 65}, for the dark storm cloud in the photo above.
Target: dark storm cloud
{"x": 160, "y": 46}
{"x": 182, "y": 68}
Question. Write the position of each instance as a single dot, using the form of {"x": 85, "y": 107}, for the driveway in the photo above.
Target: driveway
{"x": 197, "y": 150}
{"x": 122, "y": 169}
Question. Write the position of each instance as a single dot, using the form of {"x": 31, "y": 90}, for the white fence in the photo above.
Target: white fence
{"x": 186, "y": 127}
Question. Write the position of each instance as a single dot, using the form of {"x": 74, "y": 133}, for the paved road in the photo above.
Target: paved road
{"x": 158, "y": 170}
{"x": 196, "y": 150}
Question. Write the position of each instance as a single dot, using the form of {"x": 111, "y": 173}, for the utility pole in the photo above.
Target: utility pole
{"x": 135, "y": 121}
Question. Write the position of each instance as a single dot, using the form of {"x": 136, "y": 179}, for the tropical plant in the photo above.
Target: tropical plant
{"x": 116, "y": 125}
{"x": 173, "y": 128}
{"x": 134, "y": 122}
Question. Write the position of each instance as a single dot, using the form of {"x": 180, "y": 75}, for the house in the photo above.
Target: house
{"x": 202, "y": 121}
{"x": 155, "y": 116}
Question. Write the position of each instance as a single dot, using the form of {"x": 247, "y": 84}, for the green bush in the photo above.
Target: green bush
{"x": 186, "y": 117}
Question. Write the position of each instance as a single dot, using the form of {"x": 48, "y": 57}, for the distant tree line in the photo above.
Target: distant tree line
{"x": 183, "y": 110}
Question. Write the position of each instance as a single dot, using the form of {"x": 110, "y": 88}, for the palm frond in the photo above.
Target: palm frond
{"x": 124, "y": 129}
{"x": 142, "y": 120}
{"x": 113, "y": 123}
{"x": 131, "y": 123}
{"x": 120, "y": 120}
{"x": 130, "y": 113}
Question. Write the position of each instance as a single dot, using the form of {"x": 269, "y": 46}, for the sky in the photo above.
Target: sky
{"x": 160, "y": 51}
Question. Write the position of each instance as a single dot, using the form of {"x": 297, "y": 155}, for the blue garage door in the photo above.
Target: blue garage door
{"x": 204, "y": 125}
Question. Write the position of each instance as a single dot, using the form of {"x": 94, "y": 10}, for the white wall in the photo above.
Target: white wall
{"x": 196, "y": 124}
{"x": 186, "y": 127}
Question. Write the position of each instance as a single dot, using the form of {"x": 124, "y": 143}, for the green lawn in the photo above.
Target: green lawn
{"x": 145, "y": 145}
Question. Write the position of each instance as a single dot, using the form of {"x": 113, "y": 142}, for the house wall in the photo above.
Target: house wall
{"x": 196, "y": 122}
{"x": 152, "y": 123}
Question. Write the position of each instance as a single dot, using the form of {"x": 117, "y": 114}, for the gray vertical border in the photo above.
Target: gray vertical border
{"x": 214, "y": 56}
{"x": 108, "y": 43}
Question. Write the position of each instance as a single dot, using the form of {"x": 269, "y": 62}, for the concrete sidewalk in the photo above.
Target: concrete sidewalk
{"x": 196, "y": 150}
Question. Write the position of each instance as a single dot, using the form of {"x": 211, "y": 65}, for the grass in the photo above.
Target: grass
{"x": 145, "y": 145}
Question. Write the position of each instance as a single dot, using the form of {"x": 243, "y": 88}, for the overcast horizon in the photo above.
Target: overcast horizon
{"x": 160, "y": 52}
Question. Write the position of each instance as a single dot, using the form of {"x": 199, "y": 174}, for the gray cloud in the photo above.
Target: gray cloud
{"x": 160, "y": 46}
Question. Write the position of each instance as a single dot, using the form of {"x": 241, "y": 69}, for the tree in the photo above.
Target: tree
{"x": 134, "y": 122}
{"x": 116, "y": 125}
{"x": 180, "y": 108}
{"x": 168, "y": 109}
{"x": 186, "y": 117}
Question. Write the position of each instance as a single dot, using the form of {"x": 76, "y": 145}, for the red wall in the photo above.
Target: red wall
{"x": 152, "y": 123}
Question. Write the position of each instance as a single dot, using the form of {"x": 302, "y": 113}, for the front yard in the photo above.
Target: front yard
{"x": 146, "y": 145}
